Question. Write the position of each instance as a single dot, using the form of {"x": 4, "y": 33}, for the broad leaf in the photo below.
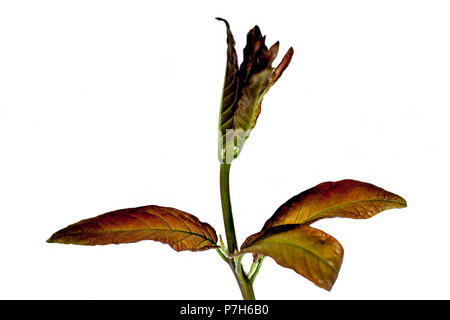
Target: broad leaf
{"x": 180, "y": 230}
{"x": 308, "y": 251}
{"x": 345, "y": 198}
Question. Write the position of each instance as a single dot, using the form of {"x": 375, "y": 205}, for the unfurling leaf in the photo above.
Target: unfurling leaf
{"x": 308, "y": 251}
{"x": 276, "y": 74}
{"x": 244, "y": 89}
{"x": 180, "y": 230}
{"x": 345, "y": 198}
{"x": 249, "y": 104}
{"x": 230, "y": 85}
{"x": 249, "y": 107}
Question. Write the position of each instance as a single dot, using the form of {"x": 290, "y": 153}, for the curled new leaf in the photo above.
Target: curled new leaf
{"x": 276, "y": 74}
{"x": 180, "y": 230}
{"x": 230, "y": 85}
{"x": 345, "y": 198}
{"x": 308, "y": 251}
{"x": 249, "y": 106}
{"x": 244, "y": 89}
{"x": 256, "y": 76}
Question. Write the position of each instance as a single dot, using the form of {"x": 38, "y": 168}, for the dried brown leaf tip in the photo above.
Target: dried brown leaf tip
{"x": 245, "y": 86}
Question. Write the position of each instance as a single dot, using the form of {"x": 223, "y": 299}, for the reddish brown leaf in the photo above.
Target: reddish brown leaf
{"x": 256, "y": 76}
{"x": 180, "y": 230}
{"x": 282, "y": 66}
{"x": 249, "y": 104}
{"x": 345, "y": 198}
{"x": 244, "y": 89}
{"x": 308, "y": 251}
{"x": 257, "y": 56}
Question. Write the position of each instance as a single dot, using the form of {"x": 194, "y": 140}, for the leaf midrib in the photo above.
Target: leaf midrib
{"x": 140, "y": 229}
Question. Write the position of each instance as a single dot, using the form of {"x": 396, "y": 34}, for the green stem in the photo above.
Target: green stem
{"x": 252, "y": 269}
{"x": 226, "y": 206}
{"x": 253, "y": 276}
{"x": 222, "y": 255}
{"x": 244, "y": 283}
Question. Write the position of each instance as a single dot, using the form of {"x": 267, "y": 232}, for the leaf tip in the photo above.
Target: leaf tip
{"x": 403, "y": 202}
{"x": 328, "y": 288}
{"x": 224, "y": 20}
{"x": 400, "y": 201}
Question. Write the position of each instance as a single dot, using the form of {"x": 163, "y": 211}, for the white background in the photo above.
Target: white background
{"x": 113, "y": 104}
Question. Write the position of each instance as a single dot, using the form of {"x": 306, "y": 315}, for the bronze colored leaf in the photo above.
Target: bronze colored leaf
{"x": 246, "y": 112}
{"x": 257, "y": 56}
{"x": 256, "y": 76}
{"x": 249, "y": 104}
{"x": 281, "y": 67}
{"x": 308, "y": 251}
{"x": 180, "y": 230}
{"x": 345, "y": 198}
{"x": 244, "y": 89}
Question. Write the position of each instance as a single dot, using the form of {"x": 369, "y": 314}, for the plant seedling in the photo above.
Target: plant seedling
{"x": 287, "y": 237}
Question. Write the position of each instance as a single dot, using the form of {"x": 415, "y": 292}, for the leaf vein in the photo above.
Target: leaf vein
{"x": 347, "y": 204}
